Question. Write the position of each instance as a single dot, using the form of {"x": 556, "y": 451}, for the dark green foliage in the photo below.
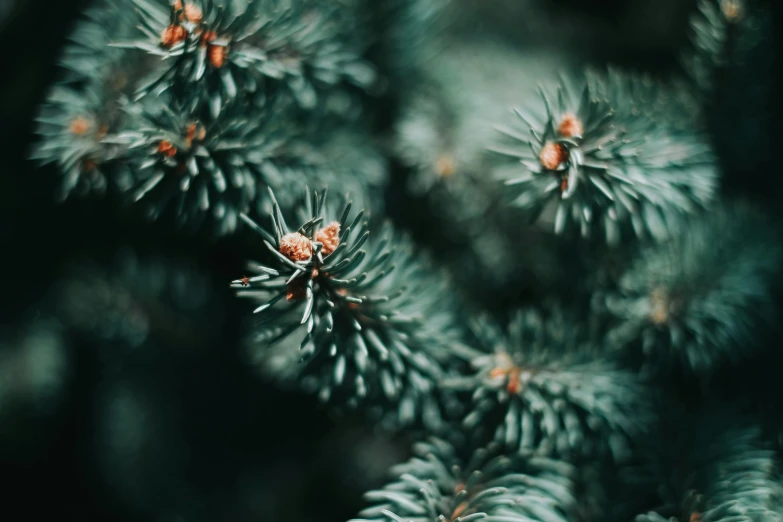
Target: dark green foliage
{"x": 437, "y": 485}
{"x": 266, "y": 41}
{"x": 88, "y": 57}
{"x": 347, "y": 157}
{"x": 84, "y": 107}
{"x": 136, "y": 300}
{"x": 607, "y": 167}
{"x": 256, "y": 134}
{"x": 209, "y": 171}
{"x": 373, "y": 320}
{"x": 441, "y": 137}
{"x": 542, "y": 386}
{"x": 723, "y": 33}
{"x": 731, "y": 64}
{"x": 34, "y": 371}
{"x": 73, "y": 125}
{"x": 714, "y": 466}
{"x": 208, "y": 114}
{"x": 702, "y": 300}
{"x": 403, "y": 34}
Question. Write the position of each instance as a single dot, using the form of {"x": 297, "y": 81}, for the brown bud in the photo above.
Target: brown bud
{"x": 193, "y": 14}
{"x": 330, "y": 237}
{"x": 217, "y": 55}
{"x": 732, "y": 10}
{"x": 513, "y": 380}
{"x": 207, "y": 37}
{"x": 553, "y": 155}
{"x": 564, "y": 183}
{"x": 167, "y": 149}
{"x": 195, "y": 131}
{"x": 446, "y": 165}
{"x": 79, "y": 126}
{"x": 460, "y": 510}
{"x": 570, "y": 126}
{"x": 296, "y": 247}
{"x": 172, "y": 35}
{"x": 660, "y": 307}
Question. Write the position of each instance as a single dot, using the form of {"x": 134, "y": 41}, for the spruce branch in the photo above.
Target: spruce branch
{"x": 203, "y": 172}
{"x": 375, "y": 323}
{"x": 437, "y": 485}
{"x": 731, "y": 64}
{"x": 704, "y": 299}
{"x": 72, "y": 125}
{"x": 88, "y": 54}
{"x": 717, "y": 467}
{"x": 84, "y": 105}
{"x": 722, "y": 32}
{"x": 219, "y": 52}
{"x": 606, "y": 166}
{"x": 540, "y": 386}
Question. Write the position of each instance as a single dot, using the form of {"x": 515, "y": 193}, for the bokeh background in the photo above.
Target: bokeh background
{"x": 160, "y": 417}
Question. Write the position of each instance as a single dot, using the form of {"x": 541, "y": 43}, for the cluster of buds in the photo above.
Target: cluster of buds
{"x": 554, "y": 155}
{"x": 508, "y": 370}
{"x": 299, "y": 248}
{"x": 176, "y": 32}
{"x": 194, "y": 132}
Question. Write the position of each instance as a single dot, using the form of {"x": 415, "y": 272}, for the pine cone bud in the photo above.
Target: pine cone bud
{"x": 553, "y": 155}
{"x": 167, "y": 149}
{"x": 329, "y": 236}
{"x": 79, "y": 126}
{"x": 217, "y": 55}
{"x": 196, "y": 132}
{"x": 445, "y": 166}
{"x": 570, "y": 126}
{"x": 172, "y": 35}
{"x": 207, "y": 37}
{"x": 296, "y": 247}
{"x": 660, "y": 307}
{"x": 732, "y": 10}
{"x": 193, "y": 14}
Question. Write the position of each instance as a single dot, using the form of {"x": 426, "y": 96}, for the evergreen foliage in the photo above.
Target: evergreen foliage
{"x": 731, "y": 65}
{"x": 541, "y": 387}
{"x": 437, "y": 485}
{"x": 541, "y": 267}
{"x": 609, "y": 168}
{"x": 702, "y": 300}
{"x": 374, "y": 323}
{"x": 721, "y": 468}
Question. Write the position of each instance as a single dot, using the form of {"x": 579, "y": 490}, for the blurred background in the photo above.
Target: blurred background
{"x": 109, "y": 426}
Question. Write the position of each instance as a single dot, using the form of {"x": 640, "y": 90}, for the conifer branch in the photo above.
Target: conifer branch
{"x": 541, "y": 387}
{"x": 703, "y": 300}
{"x": 436, "y": 485}
{"x": 608, "y": 169}
{"x": 375, "y": 323}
